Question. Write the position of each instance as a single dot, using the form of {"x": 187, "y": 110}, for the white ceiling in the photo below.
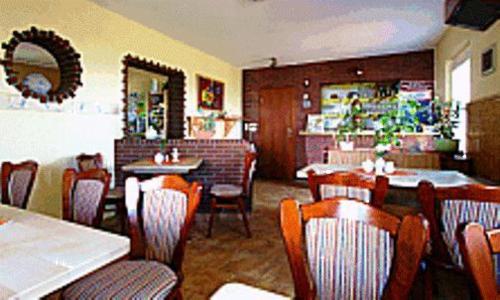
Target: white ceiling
{"x": 245, "y": 32}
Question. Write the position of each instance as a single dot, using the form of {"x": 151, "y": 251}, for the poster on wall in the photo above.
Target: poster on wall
{"x": 210, "y": 94}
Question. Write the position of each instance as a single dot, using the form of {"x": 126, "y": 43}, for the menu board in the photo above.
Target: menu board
{"x": 337, "y": 99}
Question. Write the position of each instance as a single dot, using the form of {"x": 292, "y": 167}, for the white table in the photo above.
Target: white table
{"x": 438, "y": 177}
{"x": 40, "y": 254}
{"x": 232, "y": 291}
{"x": 147, "y": 166}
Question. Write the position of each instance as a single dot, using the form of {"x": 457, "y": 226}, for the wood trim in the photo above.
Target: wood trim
{"x": 378, "y": 188}
{"x": 475, "y": 245}
{"x": 411, "y": 237}
{"x": 176, "y": 93}
{"x": 7, "y": 169}
{"x": 66, "y": 56}
{"x": 97, "y": 158}
{"x": 431, "y": 198}
{"x": 70, "y": 179}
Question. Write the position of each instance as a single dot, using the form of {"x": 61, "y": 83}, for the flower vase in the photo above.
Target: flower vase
{"x": 158, "y": 158}
{"x": 379, "y": 166}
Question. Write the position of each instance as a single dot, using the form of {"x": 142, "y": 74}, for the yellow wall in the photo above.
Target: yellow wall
{"x": 102, "y": 38}
{"x": 453, "y": 41}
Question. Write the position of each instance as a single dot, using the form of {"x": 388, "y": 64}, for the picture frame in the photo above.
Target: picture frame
{"x": 315, "y": 123}
{"x": 210, "y": 93}
{"x": 488, "y": 60}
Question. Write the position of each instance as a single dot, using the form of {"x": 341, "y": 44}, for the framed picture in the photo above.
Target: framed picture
{"x": 210, "y": 94}
{"x": 315, "y": 123}
{"x": 488, "y": 62}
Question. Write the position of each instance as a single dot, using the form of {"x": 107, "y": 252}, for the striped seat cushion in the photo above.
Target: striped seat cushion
{"x": 332, "y": 190}
{"x": 455, "y": 212}
{"x": 18, "y": 186}
{"x": 348, "y": 259}
{"x": 86, "y": 196}
{"x": 226, "y": 190}
{"x": 125, "y": 280}
{"x": 164, "y": 213}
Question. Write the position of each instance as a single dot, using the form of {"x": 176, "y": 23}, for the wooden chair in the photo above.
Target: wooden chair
{"x": 350, "y": 185}
{"x": 477, "y": 248}
{"x": 346, "y": 249}
{"x": 446, "y": 208}
{"x": 230, "y": 196}
{"x": 87, "y": 162}
{"x": 17, "y": 182}
{"x": 115, "y": 196}
{"x": 161, "y": 211}
{"x": 84, "y": 194}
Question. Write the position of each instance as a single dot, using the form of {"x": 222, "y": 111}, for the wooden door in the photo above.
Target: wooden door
{"x": 277, "y": 133}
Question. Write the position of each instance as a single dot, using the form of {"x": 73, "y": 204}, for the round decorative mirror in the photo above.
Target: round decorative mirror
{"x": 42, "y": 65}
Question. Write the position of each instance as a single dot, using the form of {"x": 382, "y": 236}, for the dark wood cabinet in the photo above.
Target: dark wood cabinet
{"x": 472, "y": 14}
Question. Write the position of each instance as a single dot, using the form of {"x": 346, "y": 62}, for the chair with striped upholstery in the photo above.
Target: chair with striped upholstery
{"x": 347, "y": 249}
{"x": 477, "y": 247}
{"x": 446, "y": 209}
{"x": 17, "y": 182}
{"x": 349, "y": 185}
{"x": 161, "y": 211}
{"x": 84, "y": 194}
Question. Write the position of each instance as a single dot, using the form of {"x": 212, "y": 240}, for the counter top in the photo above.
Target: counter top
{"x": 365, "y": 133}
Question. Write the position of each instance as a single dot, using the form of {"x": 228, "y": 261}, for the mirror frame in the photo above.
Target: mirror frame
{"x": 176, "y": 94}
{"x": 67, "y": 59}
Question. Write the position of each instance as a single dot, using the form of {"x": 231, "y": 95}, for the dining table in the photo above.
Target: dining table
{"x": 40, "y": 254}
{"x": 184, "y": 165}
{"x": 400, "y": 178}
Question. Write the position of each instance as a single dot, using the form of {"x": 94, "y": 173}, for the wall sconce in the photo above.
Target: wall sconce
{"x": 306, "y": 83}
{"x": 306, "y": 101}
{"x": 359, "y": 72}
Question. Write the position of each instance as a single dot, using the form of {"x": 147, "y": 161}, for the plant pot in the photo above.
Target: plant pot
{"x": 346, "y": 146}
{"x": 446, "y": 145}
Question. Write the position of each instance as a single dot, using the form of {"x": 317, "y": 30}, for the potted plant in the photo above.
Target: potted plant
{"x": 446, "y": 115}
{"x": 350, "y": 126}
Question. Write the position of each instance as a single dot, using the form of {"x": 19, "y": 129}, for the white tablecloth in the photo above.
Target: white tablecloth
{"x": 40, "y": 254}
{"x": 438, "y": 177}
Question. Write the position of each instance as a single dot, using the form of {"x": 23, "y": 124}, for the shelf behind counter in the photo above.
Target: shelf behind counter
{"x": 317, "y": 142}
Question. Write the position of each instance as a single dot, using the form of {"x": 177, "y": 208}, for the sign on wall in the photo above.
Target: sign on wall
{"x": 210, "y": 94}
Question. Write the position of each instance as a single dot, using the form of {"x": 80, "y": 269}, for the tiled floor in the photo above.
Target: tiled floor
{"x": 260, "y": 261}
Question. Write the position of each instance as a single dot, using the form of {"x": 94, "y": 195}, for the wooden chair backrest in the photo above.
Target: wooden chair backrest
{"x": 87, "y": 162}
{"x": 410, "y": 236}
{"x": 248, "y": 170}
{"x": 431, "y": 199}
{"x": 134, "y": 198}
{"x": 477, "y": 248}
{"x": 8, "y": 169}
{"x": 378, "y": 187}
{"x": 70, "y": 179}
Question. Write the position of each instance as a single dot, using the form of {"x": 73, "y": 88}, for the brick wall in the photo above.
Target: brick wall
{"x": 405, "y": 66}
{"x": 222, "y": 160}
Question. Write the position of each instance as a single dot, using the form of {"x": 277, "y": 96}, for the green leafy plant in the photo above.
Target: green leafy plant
{"x": 446, "y": 115}
{"x": 396, "y": 121}
{"x": 351, "y": 124}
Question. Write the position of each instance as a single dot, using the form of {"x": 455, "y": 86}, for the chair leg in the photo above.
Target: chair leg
{"x": 121, "y": 211}
{"x": 213, "y": 208}
{"x": 428, "y": 284}
{"x": 241, "y": 207}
